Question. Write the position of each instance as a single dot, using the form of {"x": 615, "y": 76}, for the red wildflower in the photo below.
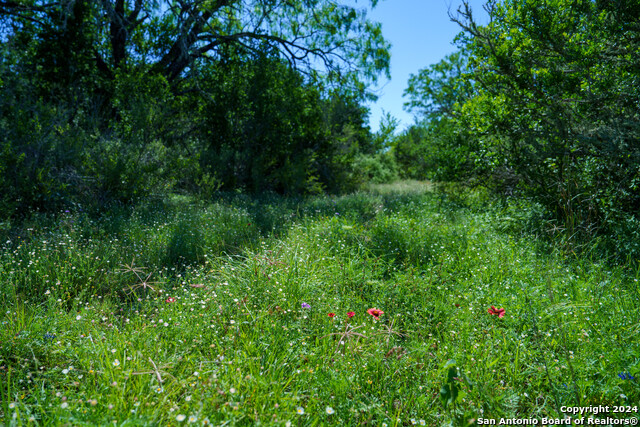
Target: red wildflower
{"x": 171, "y": 299}
{"x": 375, "y": 312}
{"x": 350, "y": 314}
{"x": 331, "y": 315}
{"x": 496, "y": 311}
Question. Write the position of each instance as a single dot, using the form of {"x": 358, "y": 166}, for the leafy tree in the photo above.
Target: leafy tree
{"x": 376, "y": 162}
{"x": 410, "y": 151}
{"x": 117, "y": 93}
{"x": 439, "y": 147}
{"x": 438, "y": 90}
{"x": 171, "y": 37}
{"x": 261, "y": 126}
{"x": 348, "y": 136}
{"x": 541, "y": 102}
{"x": 558, "y": 83}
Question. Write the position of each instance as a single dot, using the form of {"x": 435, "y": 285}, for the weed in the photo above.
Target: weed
{"x": 317, "y": 311}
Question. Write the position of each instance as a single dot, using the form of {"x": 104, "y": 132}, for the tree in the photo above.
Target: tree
{"x": 348, "y": 135}
{"x": 436, "y": 91}
{"x": 171, "y": 37}
{"x": 259, "y": 127}
{"x": 111, "y": 95}
{"x": 438, "y": 146}
{"x": 556, "y": 103}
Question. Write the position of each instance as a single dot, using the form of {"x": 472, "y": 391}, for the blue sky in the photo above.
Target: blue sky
{"x": 421, "y": 34}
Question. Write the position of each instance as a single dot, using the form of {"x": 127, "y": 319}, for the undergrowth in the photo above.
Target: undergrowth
{"x": 260, "y": 311}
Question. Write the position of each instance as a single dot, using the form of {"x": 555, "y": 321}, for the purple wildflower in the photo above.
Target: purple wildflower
{"x": 625, "y": 376}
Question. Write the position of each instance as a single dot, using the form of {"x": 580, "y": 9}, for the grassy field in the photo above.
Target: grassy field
{"x": 396, "y": 306}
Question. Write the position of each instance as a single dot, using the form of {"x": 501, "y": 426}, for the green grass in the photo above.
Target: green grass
{"x": 145, "y": 315}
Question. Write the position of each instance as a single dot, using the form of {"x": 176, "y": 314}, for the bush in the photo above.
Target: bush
{"x": 375, "y": 168}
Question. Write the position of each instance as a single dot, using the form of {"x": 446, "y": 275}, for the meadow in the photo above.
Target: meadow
{"x": 396, "y": 306}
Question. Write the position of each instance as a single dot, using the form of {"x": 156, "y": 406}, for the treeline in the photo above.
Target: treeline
{"x": 114, "y": 100}
{"x": 542, "y": 102}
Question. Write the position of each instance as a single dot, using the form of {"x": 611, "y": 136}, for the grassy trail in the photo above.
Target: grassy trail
{"x": 259, "y": 312}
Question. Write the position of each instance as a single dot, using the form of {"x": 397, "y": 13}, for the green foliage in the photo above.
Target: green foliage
{"x": 450, "y": 393}
{"x": 261, "y": 128}
{"x": 136, "y": 156}
{"x": 186, "y": 244}
{"x": 349, "y": 136}
{"x": 409, "y": 151}
{"x": 559, "y": 88}
{"x": 376, "y": 169}
{"x": 177, "y": 308}
{"x": 538, "y": 103}
{"x": 439, "y": 147}
{"x": 116, "y": 101}
{"x": 437, "y": 91}
{"x": 437, "y": 151}
{"x": 375, "y": 162}
{"x": 38, "y": 149}
{"x": 105, "y": 38}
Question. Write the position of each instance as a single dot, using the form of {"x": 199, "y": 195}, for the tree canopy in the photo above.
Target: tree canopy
{"x": 547, "y": 98}
{"x": 169, "y": 37}
{"x": 436, "y": 91}
{"x": 115, "y": 99}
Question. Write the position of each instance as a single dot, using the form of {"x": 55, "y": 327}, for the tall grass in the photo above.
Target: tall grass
{"x": 235, "y": 312}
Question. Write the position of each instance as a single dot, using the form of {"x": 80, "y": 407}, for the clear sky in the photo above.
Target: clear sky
{"x": 421, "y": 34}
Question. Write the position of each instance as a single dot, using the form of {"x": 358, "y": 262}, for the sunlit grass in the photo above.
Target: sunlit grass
{"x": 247, "y": 311}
